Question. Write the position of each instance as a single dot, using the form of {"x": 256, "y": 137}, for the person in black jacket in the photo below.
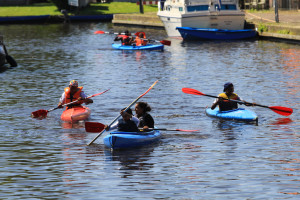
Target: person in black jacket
{"x": 128, "y": 123}
{"x": 142, "y": 110}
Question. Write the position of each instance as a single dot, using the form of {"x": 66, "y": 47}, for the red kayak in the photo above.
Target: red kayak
{"x": 76, "y": 114}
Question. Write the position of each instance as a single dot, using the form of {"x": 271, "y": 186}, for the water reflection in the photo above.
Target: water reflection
{"x": 132, "y": 159}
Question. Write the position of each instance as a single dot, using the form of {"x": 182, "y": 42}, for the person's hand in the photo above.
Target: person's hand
{"x": 106, "y": 127}
{"x": 249, "y": 104}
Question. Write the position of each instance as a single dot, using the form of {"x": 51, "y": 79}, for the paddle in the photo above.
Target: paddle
{"x": 8, "y": 58}
{"x": 95, "y": 127}
{"x": 43, "y": 113}
{"x": 123, "y": 111}
{"x": 164, "y": 42}
{"x": 278, "y": 109}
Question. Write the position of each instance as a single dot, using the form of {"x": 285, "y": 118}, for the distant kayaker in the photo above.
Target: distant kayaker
{"x": 126, "y": 39}
{"x": 228, "y": 93}
{"x": 142, "y": 110}
{"x": 128, "y": 123}
{"x": 140, "y": 39}
{"x": 73, "y": 93}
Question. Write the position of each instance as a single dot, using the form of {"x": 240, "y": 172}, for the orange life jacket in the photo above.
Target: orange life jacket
{"x": 69, "y": 98}
{"x": 140, "y": 41}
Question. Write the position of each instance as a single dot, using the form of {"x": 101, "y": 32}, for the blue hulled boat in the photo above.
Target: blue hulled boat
{"x": 189, "y": 33}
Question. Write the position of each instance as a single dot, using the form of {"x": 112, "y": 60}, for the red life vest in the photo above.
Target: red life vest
{"x": 140, "y": 41}
{"x": 125, "y": 39}
{"x": 69, "y": 98}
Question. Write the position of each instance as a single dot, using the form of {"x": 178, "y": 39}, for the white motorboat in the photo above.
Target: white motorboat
{"x": 216, "y": 14}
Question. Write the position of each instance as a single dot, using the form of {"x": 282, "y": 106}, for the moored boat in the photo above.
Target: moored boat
{"x": 240, "y": 114}
{"x": 152, "y": 47}
{"x": 122, "y": 140}
{"x": 188, "y": 33}
{"x": 77, "y": 113}
{"x": 215, "y": 14}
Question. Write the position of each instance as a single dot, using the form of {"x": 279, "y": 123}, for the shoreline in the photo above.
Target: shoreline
{"x": 266, "y": 28}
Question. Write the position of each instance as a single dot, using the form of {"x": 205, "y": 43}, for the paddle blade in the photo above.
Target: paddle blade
{"x": 282, "y": 110}
{"x": 191, "y": 91}
{"x": 39, "y": 114}
{"x": 166, "y": 42}
{"x": 99, "y": 32}
{"x": 94, "y": 127}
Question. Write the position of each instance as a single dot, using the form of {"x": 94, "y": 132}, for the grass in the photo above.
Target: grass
{"x": 262, "y": 28}
{"x": 93, "y": 9}
{"x": 284, "y": 31}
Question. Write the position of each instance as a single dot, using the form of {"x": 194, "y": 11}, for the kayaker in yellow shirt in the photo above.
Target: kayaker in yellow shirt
{"x": 228, "y": 93}
{"x": 73, "y": 93}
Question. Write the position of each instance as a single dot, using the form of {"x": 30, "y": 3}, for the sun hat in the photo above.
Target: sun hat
{"x": 73, "y": 83}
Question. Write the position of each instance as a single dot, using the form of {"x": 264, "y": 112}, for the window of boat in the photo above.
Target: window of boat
{"x": 180, "y": 9}
{"x": 228, "y": 7}
{"x": 197, "y": 8}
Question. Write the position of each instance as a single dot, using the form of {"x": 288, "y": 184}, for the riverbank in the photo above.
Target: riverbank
{"x": 288, "y": 27}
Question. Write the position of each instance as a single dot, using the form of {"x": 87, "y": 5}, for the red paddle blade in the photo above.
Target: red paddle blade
{"x": 166, "y": 42}
{"x": 99, "y": 32}
{"x": 94, "y": 127}
{"x": 39, "y": 114}
{"x": 282, "y": 110}
{"x": 191, "y": 91}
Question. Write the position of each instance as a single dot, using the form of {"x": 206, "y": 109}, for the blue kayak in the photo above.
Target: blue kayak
{"x": 240, "y": 114}
{"x": 133, "y": 47}
{"x": 122, "y": 140}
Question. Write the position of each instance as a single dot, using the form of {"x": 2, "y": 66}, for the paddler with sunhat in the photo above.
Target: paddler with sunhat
{"x": 73, "y": 93}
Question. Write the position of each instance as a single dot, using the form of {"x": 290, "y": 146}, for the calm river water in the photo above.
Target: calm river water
{"x": 48, "y": 159}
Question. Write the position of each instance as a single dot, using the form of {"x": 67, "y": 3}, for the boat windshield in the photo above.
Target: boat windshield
{"x": 197, "y": 8}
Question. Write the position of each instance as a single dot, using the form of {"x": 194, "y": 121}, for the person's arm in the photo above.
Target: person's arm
{"x": 244, "y": 102}
{"x": 112, "y": 127}
{"x": 136, "y": 120}
{"x": 83, "y": 97}
{"x": 61, "y": 100}
{"x": 216, "y": 102}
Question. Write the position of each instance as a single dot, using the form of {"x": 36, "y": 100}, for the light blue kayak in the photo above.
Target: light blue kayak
{"x": 240, "y": 114}
{"x": 122, "y": 140}
{"x": 145, "y": 47}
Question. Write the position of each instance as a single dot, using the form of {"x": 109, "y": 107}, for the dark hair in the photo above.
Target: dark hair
{"x": 144, "y": 106}
{"x": 227, "y": 85}
{"x": 129, "y": 111}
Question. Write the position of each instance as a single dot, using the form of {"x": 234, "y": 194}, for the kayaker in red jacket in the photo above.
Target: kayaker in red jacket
{"x": 140, "y": 39}
{"x": 228, "y": 93}
{"x": 126, "y": 39}
{"x": 73, "y": 93}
